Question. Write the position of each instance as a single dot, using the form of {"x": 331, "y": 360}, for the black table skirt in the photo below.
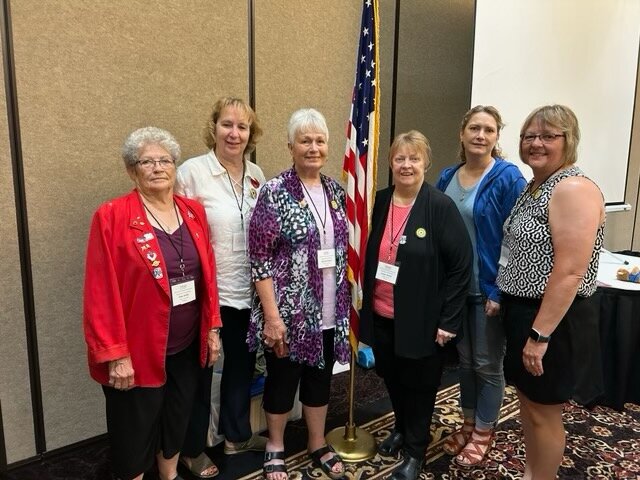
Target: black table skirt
{"x": 610, "y": 375}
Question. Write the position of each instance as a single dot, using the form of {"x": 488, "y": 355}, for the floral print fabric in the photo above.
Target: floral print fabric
{"x": 283, "y": 241}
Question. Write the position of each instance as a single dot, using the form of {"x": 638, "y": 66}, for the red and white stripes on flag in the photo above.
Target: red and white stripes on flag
{"x": 360, "y": 158}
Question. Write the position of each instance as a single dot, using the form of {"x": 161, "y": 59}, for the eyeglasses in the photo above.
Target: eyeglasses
{"x": 401, "y": 160}
{"x": 150, "y": 163}
{"x": 545, "y": 138}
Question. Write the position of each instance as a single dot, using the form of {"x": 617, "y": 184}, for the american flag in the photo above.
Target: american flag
{"x": 360, "y": 158}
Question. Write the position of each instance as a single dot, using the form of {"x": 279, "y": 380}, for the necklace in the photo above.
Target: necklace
{"x": 393, "y": 237}
{"x": 323, "y": 220}
{"x": 179, "y": 252}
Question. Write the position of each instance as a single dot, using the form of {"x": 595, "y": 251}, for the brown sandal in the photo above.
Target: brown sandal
{"x": 455, "y": 442}
{"x": 476, "y": 449}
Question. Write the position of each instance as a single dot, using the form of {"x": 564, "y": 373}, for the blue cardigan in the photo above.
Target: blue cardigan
{"x": 497, "y": 193}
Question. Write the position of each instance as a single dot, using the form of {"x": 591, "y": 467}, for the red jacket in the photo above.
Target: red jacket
{"x": 127, "y": 300}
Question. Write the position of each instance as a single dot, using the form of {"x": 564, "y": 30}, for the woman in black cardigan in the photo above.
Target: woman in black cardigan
{"x": 417, "y": 271}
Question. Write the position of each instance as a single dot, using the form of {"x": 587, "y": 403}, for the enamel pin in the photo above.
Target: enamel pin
{"x": 157, "y": 273}
{"x": 334, "y": 204}
{"x": 421, "y": 233}
{"x": 152, "y": 256}
{"x": 252, "y": 193}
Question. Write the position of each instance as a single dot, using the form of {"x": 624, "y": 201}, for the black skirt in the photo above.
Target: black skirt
{"x": 566, "y": 349}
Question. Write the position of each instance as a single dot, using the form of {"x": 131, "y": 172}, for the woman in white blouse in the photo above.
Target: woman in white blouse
{"x": 227, "y": 184}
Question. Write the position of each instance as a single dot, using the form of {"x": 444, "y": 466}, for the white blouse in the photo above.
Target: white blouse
{"x": 204, "y": 179}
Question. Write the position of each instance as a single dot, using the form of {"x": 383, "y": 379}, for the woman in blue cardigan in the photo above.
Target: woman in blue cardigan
{"x": 484, "y": 187}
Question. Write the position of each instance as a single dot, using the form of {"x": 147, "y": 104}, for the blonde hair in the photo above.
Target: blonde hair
{"x": 414, "y": 139}
{"x": 209, "y": 132}
{"x": 562, "y": 118}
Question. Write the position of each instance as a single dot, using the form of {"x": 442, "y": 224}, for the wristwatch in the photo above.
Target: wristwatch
{"x": 537, "y": 337}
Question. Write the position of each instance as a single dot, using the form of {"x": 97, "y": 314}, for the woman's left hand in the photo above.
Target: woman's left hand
{"x": 491, "y": 308}
{"x": 532, "y": 357}
{"x": 213, "y": 342}
{"x": 442, "y": 337}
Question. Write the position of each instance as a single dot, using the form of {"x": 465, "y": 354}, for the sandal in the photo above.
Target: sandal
{"x": 327, "y": 465}
{"x": 476, "y": 449}
{"x": 199, "y": 465}
{"x": 455, "y": 442}
{"x": 272, "y": 468}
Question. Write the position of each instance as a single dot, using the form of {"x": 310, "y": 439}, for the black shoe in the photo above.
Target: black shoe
{"x": 392, "y": 444}
{"x": 408, "y": 470}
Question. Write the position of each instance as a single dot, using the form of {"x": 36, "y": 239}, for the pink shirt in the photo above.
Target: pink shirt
{"x": 319, "y": 206}
{"x": 383, "y": 291}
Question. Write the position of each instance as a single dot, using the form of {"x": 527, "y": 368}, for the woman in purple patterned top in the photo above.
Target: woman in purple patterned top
{"x": 298, "y": 249}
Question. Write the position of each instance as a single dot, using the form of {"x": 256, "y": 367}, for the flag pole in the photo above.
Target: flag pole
{"x": 360, "y": 162}
{"x": 352, "y": 443}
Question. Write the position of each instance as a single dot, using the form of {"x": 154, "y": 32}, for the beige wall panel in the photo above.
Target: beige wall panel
{"x": 15, "y": 391}
{"x": 305, "y": 57}
{"x": 435, "y": 60}
{"x": 88, "y": 73}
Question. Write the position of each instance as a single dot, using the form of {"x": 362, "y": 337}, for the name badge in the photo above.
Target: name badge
{"x": 327, "y": 258}
{"x": 183, "y": 290}
{"x": 504, "y": 255}
{"x": 387, "y": 272}
{"x": 238, "y": 242}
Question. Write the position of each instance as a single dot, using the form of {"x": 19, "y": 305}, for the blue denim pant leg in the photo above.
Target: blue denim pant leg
{"x": 481, "y": 352}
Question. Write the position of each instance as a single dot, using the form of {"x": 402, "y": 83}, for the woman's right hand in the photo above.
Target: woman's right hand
{"x": 121, "y": 373}
{"x": 275, "y": 335}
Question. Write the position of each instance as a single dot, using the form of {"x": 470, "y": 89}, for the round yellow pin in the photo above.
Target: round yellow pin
{"x": 421, "y": 233}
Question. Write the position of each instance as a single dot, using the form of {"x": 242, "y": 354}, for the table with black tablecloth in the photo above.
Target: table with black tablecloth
{"x": 610, "y": 375}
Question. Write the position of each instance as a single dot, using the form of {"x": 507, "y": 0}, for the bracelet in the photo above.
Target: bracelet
{"x": 216, "y": 329}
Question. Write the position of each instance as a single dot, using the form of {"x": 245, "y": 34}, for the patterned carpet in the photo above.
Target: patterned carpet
{"x": 601, "y": 444}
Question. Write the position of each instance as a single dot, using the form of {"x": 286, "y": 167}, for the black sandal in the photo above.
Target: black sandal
{"x": 327, "y": 465}
{"x": 275, "y": 467}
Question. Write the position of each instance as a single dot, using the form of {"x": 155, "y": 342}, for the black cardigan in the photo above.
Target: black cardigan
{"x": 433, "y": 280}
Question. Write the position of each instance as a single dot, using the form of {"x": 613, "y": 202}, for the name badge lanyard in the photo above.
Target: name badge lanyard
{"x": 239, "y": 203}
{"x": 393, "y": 237}
{"x": 323, "y": 220}
{"x": 179, "y": 252}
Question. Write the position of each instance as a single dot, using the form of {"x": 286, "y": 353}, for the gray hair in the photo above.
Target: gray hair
{"x": 306, "y": 120}
{"x": 148, "y": 136}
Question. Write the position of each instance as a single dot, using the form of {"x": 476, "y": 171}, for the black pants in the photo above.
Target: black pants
{"x": 195, "y": 440}
{"x": 412, "y": 385}
{"x": 237, "y": 375}
{"x": 284, "y": 376}
{"x": 146, "y": 420}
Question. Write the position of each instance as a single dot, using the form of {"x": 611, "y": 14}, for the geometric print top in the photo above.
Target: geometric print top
{"x": 527, "y": 235}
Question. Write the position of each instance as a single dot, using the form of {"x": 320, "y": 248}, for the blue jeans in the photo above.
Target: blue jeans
{"x": 481, "y": 352}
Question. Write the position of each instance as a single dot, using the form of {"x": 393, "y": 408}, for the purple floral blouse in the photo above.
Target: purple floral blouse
{"x": 283, "y": 240}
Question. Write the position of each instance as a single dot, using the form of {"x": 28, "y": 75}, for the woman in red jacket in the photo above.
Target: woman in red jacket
{"x": 151, "y": 313}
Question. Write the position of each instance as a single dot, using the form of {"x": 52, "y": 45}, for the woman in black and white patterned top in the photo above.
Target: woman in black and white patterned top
{"x": 548, "y": 269}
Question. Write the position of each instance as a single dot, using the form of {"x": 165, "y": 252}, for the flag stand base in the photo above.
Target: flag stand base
{"x": 352, "y": 443}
